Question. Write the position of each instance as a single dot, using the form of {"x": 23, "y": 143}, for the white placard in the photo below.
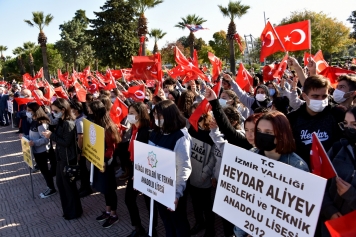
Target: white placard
{"x": 155, "y": 173}
{"x": 10, "y": 107}
{"x": 265, "y": 197}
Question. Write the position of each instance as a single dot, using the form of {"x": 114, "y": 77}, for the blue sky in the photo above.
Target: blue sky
{"x": 14, "y": 31}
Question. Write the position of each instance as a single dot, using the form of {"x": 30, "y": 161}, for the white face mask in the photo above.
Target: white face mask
{"x": 317, "y": 105}
{"x": 57, "y": 115}
{"x": 113, "y": 100}
{"x": 260, "y": 97}
{"x": 166, "y": 95}
{"x": 159, "y": 123}
{"x": 131, "y": 118}
{"x": 222, "y": 102}
{"x": 339, "y": 96}
{"x": 29, "y": 115}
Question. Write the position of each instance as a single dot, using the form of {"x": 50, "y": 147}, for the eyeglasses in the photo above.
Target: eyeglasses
{"x": 343, "y": 127}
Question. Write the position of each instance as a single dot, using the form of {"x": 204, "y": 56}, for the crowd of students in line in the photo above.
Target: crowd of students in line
{"x": 274, "y": 119}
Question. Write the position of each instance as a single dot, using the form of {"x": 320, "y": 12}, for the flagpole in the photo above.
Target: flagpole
{"x": 278, "y": 37}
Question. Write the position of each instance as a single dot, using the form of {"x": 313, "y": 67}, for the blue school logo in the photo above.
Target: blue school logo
{"x": 152, "y": 160}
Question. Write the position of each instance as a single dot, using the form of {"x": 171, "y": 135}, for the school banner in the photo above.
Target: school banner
{"x": 155, "y": 173}
{"x": 27, "y": 152}
{"x": 10, "y": 107}
{"x": 94, "y": 143}
{"x": 265, "y": 197}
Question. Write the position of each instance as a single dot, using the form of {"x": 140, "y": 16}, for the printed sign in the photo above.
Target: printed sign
{"x": 155, "y": 173}
{"x": 94, "y": 143}
{"x": 265, "y": 197}
{"x": 27, "y": 152}
{"x": 10, "y": 107}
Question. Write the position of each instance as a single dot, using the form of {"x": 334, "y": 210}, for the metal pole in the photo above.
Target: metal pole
{"x": 33, "y": 193}
{"x": 264, "y": 16}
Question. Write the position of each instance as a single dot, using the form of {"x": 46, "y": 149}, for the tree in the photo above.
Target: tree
{"x": 114, "y": 33}
{"x": 2, "y": 49}
{"x": 2, "y": 59}
{"x": 30, "y": 48}
{"x": 74, "y": 44}
{"x": 157, "y": 34}
{"x": 327, "y": 33}
{"x": 19, "y": 52}
{"x": 190, "y": 20}
{"x": 352, "y": 20}
{"x": 232, "y": 11}
{"x": 54, "y": 59}
{"x": 141, "y": 7}
{"x": 167, "y": 52}
{"x": 203, "y": 53}
{"x": 220, "y": 45}
{"x": 40, "y": 21}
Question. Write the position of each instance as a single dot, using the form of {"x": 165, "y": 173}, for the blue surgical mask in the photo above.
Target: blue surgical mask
{"x": 272, "y": 92}
{"x": 58, "y": 115}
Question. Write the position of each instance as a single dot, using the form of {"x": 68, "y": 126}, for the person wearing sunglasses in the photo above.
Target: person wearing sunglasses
{"x": 340, "y": 194}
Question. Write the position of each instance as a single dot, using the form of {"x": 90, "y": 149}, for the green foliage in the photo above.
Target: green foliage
{"x": 190, "y": 20}
{"x": 220, "y": 45}
{"x": 39, "y": 20}
{"x": 234, "y": 10}
{"x": 141, "y": 6}
{"x": 114, "y": 33}
{"x": 2, "y": 49}
{"x": 167, "y": 52}
{"x": 74, "y": 44}
{"x": 198, "y": 43}
{"x": 53, "y": 56}
{"x": 203, "y": 53}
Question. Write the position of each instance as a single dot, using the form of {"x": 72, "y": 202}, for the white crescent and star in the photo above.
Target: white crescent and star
{"x": 302, "y": 37}
{"x": 272, "y": 38}
{"x": 139, "y": 94}
{"x": 120, "y": 111}
{"x": 317, "y": 65}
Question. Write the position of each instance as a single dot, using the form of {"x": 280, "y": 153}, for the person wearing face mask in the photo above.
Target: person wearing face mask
{"x": 78, "y": 114}
{"x": 274, "y": 140}
{"x": 170, "y": 133}
{"x": 229, "y": 97}
{"x": 345, "y": 91}
{"x": 260, "y": 99}
{"x": 315, "y": 115}
{"x": 66, "y": 153}
{"x": 140, "y": 122}
{"x": 40, "y": 144}
{"x": 340, "y": 194}
{"x": 4, "y": 117}
{"x": 272, "y": 90}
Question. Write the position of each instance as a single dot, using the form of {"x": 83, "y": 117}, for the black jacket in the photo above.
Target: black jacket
{"x": 325, "y": 124}
{"x": 225, "y": 127}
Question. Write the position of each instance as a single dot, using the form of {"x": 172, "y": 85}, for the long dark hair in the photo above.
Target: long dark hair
{"x": 173, "y": 119}
{"x": 61, "y": 103}
{"x": 143, "y": 117}
{"x": 102, "y": 118}
{"x": 38, "y": 114}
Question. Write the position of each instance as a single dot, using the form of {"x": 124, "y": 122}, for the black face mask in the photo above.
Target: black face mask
{"x": 265, "y": 141}
{"x": 350, "y": 135}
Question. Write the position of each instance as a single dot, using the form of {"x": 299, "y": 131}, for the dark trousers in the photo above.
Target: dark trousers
{"x": 175, "y": 222}
{"x": 228, "y": 227}
{"x": 4, "y": 118}
{"x": 52, "y": 160}
{"x": 41, "y": 160}
{"x": 84, "y": 174}
{"x": 130, "y": 201}
{"x": 111, "y": 200}
{"x": 68, "y": 192}
{"x": 202, "y": 206}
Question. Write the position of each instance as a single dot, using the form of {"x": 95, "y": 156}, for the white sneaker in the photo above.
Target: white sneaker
{"x": 49, "y": 192}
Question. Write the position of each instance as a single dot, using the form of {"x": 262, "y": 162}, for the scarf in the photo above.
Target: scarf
{"x": 131, "y": 145}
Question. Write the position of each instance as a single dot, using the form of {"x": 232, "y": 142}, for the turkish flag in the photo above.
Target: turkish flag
{"x": 321, "y": 64}
{"x": 127, "y": 73}
{"x": 101, "y": 77}
{"x": 333, "y": 74}
{"x": 61, "y": 93}
{"x": 80, "y": 91}
{"x": 319, "y": 160}
{"x": 202, "y": 108}
{"x": 268, "y": 71}
{"x": 150, "y": 83}
{"x": 39, "y": 74}
{"x": 344, "y": 226}
{"x": 111, "y": 85}
{"x": 29, "y": 82}
{"x": 117, "y": 74}
{"x": 49, "y": 91}
{"x": 137, "y": 93}
{"x": 270, "y": 42}
{"x": 217, "y": 88}
{"x": 188, "y": 66}
{"x": 306, "y": 57}
{"x": 238, "y": 41}
{"x": 142, "y": 67}
{"x": 23, "y": 101}
{"x": 176, "y": 71}
{"x": 37, "y": 98}
{"x": 118, "y": 111}
{"x": 217, "y": 64}
{"x": 243, "y": 78}
{"x": 296, "y": 36}
{"x": 282, "y": 66}
{"x": 27, "y": 76}
{"x": 63, "y": 78}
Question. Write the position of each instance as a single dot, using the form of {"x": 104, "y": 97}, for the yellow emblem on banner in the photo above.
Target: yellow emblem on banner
{"x": 94, "y": 143}
{"x": 27, "y": 152}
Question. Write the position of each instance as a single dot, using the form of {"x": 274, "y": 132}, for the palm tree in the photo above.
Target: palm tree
{"x": 2, "y": 49}
{"x": 40, "y": 21}
{"x": 19, "y": 52}
{"x": 30, "y": 48}
{"x": 190, "y": 20}
{"x": 157, "y": 34}
{"x": 142, "y": 6}
{"x": 232, "y": 11}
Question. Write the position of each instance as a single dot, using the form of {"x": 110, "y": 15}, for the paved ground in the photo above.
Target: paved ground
{"x": 21, "y": 215}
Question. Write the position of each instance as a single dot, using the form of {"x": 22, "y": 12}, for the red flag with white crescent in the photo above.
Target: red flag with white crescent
{"x": 118, "y": 111}
{"x": 296, "y": 36}
{"x": 270, "y": 42}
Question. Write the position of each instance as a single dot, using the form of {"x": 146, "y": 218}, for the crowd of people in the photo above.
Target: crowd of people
{"x": 274, "y": 118}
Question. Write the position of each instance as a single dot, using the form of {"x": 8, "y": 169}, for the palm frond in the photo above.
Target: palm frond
{"x": 48, "y": 19}
{"x": 29, "y": 23}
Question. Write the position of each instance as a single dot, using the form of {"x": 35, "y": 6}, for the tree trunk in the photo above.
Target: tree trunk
{"x": 191, "y": 38}
{"x": 232, "y": 57}
{"x": 144, "y": 47}
{"x": 45, "y": 62}
{"x": 155, "y": 48}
